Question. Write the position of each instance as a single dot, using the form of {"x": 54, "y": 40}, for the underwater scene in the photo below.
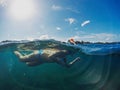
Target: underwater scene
{"x": 59, "y": 44}
{"x": 98, "y": 68}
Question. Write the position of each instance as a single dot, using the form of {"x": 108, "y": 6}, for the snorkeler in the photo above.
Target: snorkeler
{"x": 48, "y": 55}
{"x": 71, "y": 41}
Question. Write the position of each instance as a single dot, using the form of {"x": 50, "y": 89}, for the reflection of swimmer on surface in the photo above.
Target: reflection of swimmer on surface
{"x": 48, "y": 55}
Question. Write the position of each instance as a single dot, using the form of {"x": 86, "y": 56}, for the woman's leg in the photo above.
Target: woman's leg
{"x": 63, "y": 62}
{"x": 23, "y": 57}
{"x": 75, "y": 60}
{"x": 17, "y": 53}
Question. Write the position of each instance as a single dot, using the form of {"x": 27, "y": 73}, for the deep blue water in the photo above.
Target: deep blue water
{"x": 97, "y": 70}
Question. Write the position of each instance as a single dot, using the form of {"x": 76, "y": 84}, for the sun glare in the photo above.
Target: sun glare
{"x": 22, "y": 9}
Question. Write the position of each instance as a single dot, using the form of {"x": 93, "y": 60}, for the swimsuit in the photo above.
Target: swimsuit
{"x": 41, "y": 51}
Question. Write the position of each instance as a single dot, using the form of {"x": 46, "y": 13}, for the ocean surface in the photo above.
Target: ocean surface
{"x": 98, "y": 69}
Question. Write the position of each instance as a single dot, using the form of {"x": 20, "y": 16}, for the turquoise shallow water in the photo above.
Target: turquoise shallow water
{"x": 97, "y": 70}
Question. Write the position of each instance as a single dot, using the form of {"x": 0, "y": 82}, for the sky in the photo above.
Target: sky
{"x": 87, "y": 20}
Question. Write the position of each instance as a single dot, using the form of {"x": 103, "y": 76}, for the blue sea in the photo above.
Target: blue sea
{"x": 98, "y": 69}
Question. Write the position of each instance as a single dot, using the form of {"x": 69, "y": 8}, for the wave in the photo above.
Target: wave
{"x": 90, "y": 49}
{"x": 101, "y": 50}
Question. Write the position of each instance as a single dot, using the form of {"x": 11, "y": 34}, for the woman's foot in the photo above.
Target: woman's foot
{"x": 75, "y": 60}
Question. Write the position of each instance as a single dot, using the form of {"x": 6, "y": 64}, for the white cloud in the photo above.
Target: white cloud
{"x": 85, "y": 23}
{"x": 44, "y": 37}
{"x": 72, "y": 10}
{"x": 3, "y": 3}
{"x": 30, "y": 38}
{"x": 101, "y": 37}
{"x": 70, "y": 20}
{"x": 58, "y": 28}
{"x": 55, "y": 7}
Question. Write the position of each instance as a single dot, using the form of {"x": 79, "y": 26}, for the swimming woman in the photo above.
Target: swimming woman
{"x": 48, "y": 55}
